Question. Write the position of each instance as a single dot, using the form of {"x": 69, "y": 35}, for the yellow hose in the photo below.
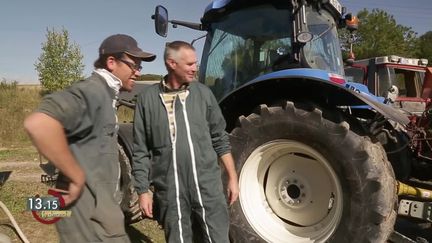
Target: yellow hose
{"x": 407, "y": 190}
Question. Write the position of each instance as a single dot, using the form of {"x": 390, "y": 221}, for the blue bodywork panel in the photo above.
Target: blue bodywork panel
{"x": 361, "y": 88}
{"x": 295, "y": 72}
{"x": 340, "y": 94}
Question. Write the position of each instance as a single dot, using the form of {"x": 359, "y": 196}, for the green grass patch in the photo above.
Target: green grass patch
{"x": 14, "y": 194}
{"x": 28, "y": 153}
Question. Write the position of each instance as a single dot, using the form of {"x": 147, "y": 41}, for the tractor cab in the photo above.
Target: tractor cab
{"x": 279, "y": 35}
{"x": 401, "y": 80}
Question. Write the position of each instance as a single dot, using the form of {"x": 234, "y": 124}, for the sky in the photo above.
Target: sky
{"x": 24, "y": 24}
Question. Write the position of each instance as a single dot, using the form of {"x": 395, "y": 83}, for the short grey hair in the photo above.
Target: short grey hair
{"x": 172, "y": 48}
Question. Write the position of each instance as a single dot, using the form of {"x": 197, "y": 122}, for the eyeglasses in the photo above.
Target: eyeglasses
{"x": 131, "y": 65}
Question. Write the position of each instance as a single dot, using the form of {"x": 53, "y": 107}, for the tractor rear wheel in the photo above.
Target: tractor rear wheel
{"x": 128, "y": 198}
{"x": 304, "y": 178}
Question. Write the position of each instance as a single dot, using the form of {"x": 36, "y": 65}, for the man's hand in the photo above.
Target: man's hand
{"x": 74, "y": 189}
{"x": 232, "y": 190}
{"x": 232, "y": 187}
{"x": 146, "y": 204}
{"x": 74, "y": 192}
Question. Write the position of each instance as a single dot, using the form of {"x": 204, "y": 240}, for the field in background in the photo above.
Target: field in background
{"x": 16, "y": 102}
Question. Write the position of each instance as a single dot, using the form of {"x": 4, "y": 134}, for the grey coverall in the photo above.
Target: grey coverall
{"x": 86, "y": 112}
{"x": 184, "y": 166}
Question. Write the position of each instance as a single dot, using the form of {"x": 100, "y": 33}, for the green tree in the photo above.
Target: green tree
{"x": 380, "y": 35}
{"x": 60, "y": 63}
{"x": 425, "y": 47}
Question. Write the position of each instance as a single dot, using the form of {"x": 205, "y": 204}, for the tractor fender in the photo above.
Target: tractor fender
{"x": 300, "y": 84}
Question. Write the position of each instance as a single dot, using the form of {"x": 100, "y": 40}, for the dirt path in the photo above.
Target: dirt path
{"x": 22, "y": 171}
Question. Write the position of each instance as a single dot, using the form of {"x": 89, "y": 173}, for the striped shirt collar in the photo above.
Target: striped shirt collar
{"x": 167, "y": 89}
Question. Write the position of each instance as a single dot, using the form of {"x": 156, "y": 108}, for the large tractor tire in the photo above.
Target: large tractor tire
{"x": 304, "y": 178}
{"x": 128, "y": 197}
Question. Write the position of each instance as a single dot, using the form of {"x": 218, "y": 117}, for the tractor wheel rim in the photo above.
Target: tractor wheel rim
{"x": 290, "y": 192}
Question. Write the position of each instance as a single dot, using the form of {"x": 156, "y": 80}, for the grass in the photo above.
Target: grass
{"x": 14, "y": 195}
{"x": 28, "y": 153}
{"x": 16, "y": 102}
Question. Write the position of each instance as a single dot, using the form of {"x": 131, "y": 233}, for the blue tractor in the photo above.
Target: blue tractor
{"x": 311, "y": 165}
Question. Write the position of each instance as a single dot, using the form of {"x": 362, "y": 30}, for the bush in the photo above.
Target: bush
{"x": 5, "y": 85}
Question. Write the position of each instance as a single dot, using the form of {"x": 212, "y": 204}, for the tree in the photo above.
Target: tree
{"x": 380, "y": 35}
{"x": 425, "y": 46}
{"x": 60, "y": 63}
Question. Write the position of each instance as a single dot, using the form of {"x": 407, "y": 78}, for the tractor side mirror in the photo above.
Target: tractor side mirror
{"x": 161, "y": 20}
{"x": 392, "y": 93}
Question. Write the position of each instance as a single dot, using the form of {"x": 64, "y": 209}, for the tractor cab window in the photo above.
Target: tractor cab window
{"x": 408, "y": 81}
{"x": 354, "y": 74}
{"x": 236, "y": 53}
{"x": 323, "y": 51}
{"x": 384, "y": 78}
